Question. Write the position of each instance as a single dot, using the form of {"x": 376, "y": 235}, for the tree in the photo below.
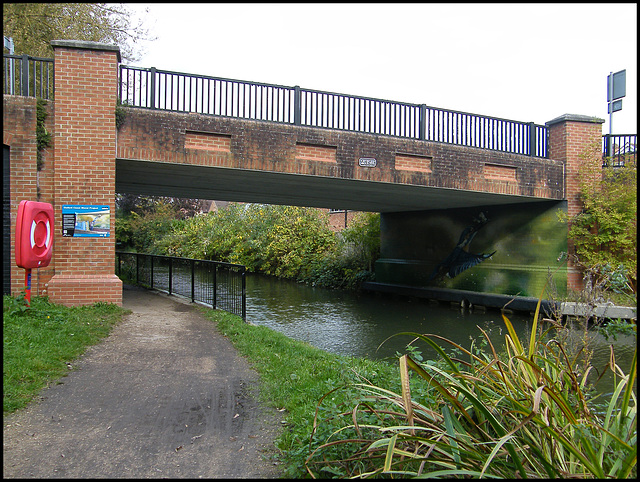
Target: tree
{"x": 34, "y": 25}
{"x": 177, "y": 208}
{"x": 605, "y": 232}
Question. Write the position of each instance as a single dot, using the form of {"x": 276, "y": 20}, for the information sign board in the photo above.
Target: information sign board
{"x": 86, "y": 221}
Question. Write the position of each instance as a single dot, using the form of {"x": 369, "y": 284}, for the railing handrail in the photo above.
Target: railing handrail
{"x": 29, "y": 57}
{"x": 221, "y": 263}
{"x": 487, "y": 132}
{"x": 25, "y": 80}
{"x": 618, "y": 148}
{"x": 353, "y": 96}
{"x": 216, "y": 299}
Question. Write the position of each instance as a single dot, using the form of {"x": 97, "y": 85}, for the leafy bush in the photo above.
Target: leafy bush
{"x": 284, "y": 241}
{"x": 605, "y": 231}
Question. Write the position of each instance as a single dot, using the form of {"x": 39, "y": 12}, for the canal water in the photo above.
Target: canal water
{"x": 360, "y": 324}
{"x": 357, "y": 324}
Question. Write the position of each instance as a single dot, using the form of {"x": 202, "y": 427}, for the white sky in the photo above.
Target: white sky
{"x": 524, "y": 62}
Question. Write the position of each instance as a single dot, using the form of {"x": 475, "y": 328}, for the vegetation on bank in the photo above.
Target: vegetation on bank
{"x": 528, "y": 411}
{"x": 604, "y": 233}
{"x": 285, "y": 241}
{"x": 41, "y": 342}
{"x": 475, "y": 412}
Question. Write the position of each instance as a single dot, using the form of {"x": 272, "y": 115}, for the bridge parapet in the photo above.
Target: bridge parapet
{"x": 242, "y": 144}
{"x": 179, "y": 92}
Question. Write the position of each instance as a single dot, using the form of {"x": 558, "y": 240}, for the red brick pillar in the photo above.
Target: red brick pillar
{"x": 576, "y": 140}
{"x": 86, "y": 80}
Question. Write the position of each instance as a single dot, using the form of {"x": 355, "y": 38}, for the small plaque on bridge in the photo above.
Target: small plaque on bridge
{"x": 367, "y": 162}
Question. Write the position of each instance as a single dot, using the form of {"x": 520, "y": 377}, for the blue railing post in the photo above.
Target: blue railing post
{"x": 24, "y": 75}
{"x": 423, "y": 122}
{"x": 152, "y": 87}
{"x": 297, "y": 106}
{"x": 532, "y": 139}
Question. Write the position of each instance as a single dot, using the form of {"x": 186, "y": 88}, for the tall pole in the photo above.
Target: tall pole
{"x": 610, "y": 99}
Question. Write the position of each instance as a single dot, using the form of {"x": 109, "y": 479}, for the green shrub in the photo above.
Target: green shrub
{"x": 284, "y": 241}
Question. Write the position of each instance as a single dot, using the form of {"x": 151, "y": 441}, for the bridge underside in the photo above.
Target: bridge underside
{"x": 244, "y": 185}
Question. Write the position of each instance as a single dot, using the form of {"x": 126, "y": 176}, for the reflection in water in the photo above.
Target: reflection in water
{"x": 347, "y": 323}
{"x": 352, "y": 324}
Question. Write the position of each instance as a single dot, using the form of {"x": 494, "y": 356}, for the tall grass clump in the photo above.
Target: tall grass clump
{"x": 525, "y": 412}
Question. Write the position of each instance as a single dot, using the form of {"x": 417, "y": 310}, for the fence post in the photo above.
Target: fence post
{"x": 170, "y": 273}
{"x": 532, "y": 139}
{"x": 423, "y": 122}
{"x": 215, "y": 286}
{"x": 24, "y": 75}
{"x": 297, "y": 107}
{"x": 244, "y": 295}
{"x": 153, "y": 87}
{"x": 137, "y": 269}
{"x": 607, "y": 145}
{"x": 193, "y": 281}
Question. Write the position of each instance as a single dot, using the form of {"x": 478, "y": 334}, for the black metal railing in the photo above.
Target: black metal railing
{"x": 159, "y": 89}
{"x": 212, "y": 283}
{"x": 618, "y": 149}
{"x": 28, "y": 76}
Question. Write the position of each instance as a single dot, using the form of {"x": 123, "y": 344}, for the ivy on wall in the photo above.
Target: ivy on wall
{"x": 43, "y": 137}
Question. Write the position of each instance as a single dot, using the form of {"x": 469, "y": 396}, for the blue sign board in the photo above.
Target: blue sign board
{"x": 86, "y": 221}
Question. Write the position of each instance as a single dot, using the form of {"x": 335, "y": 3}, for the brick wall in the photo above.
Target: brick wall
{"x": 19, "y": 133}
{"x": 413, "y": 163}
{"x": 268, "y": 146}
{"x": 84, "y": 169}
{"x": 575, "y": 140}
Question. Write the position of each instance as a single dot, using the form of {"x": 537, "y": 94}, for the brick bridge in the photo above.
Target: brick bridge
{"x": 428, "y": 171}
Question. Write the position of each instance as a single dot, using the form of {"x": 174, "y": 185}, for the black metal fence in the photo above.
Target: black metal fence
{"x": 160, "y": 89}
{"x": 618, "y": 149}
{"x": 27, "y": 76}
{"x": 212, "y": 283}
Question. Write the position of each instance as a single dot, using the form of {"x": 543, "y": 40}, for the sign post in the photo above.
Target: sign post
{"x": 616, "y": 90}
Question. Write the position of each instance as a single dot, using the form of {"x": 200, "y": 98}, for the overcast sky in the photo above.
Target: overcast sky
{"x": 524, "y": 62}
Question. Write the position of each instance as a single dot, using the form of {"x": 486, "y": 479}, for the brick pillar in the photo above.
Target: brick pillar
{"x": 86, "y": 80}
{"x": 576, "y": 140}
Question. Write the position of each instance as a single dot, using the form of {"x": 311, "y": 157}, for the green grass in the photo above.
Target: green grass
{"x": 295, "y": 376}
{"x": 475, "y": 413}
{"x": 39, "y": 341}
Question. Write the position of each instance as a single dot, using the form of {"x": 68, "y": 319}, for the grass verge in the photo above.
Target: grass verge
{"x": 295, "y": 376}
{"x": 40, "y": 343}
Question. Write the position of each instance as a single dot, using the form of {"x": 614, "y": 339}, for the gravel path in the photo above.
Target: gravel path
{"x": 164, "y": 396}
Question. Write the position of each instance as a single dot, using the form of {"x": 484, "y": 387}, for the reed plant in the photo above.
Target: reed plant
{"x": 523, "y": 412}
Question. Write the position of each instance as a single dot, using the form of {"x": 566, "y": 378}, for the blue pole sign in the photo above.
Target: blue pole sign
{"x": 86, "y": 221}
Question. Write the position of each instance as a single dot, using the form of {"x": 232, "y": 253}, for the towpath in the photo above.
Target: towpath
{"x": 164, "y": 396}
